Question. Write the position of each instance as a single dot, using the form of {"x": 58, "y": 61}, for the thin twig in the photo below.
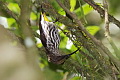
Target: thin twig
{"x": 96, "y": 42}
{"x": 79, "y": 23}
{"x": 107, "y": 32}
{"x": 101, "y": 12}
{"x": 8, "y": 11}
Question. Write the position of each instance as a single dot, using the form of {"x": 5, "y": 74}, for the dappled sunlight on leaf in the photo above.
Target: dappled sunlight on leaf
{"x": 93, "y": 29}
{"x": 86, "y": 8}
{"x": 33, "y": 16}
{"x": 72, "y": 4}
{"x": 14, "y": 7}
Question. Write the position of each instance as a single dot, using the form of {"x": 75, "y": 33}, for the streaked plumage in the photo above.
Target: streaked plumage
{"x": 49, "y": 36}
{"x": 50, "y": 39}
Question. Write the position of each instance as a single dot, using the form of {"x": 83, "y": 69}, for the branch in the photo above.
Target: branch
{"x": 101, "y": 12}
{"x": 107, "y": 32}
{"x": 80, "y": 37}
{"x": 32, "y": 52}
{"x": 77, "y": 21}
{"x": 94, "y": 40}
{"x": 8, "y": 11}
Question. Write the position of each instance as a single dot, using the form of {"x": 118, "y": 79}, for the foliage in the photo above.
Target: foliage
{"x": 56, "y": 72}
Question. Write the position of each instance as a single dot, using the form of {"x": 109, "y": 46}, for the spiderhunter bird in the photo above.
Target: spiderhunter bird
{"x": 50, "y": 39}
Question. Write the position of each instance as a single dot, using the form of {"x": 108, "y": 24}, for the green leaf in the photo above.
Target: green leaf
{"x": 57, "y": 7}
{"x": 34, "y": 28}
{"x": 76, "y": 78}
{"x": 61, "y": 11}
{"x": 39, "y": 45}
{"x": 33, "y": 16}
{"x": 73, "y": 48}
{"x": 52, "y": 75}
{"x": 64, "y": 40}
{"x": 14, "y": 7}
{"x": 93, "y": 29}
{"x": 86, "y": 8}
{"x": 10, "y": 21}
{"x": 72, "y": 5}
{"x": 82, "y": 12}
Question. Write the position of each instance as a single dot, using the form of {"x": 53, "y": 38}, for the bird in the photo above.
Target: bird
{"x": 50, "y": 39}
